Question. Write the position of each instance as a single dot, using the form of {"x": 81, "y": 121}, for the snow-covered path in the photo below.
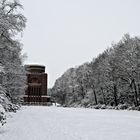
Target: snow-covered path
{"x": 53, "y": 123}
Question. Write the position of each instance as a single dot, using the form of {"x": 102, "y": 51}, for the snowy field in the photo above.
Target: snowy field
{"x": 56, "y": 123}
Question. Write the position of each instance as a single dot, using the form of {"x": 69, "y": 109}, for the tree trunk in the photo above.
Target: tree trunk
{"x": 115, "y": 95}
{"x": 139, "y": 91}
{"x": 82, "y": 92}
{"x": 136, "y": 94}
{"x": 95, "y": 97}
{"x": 104, "y": 99}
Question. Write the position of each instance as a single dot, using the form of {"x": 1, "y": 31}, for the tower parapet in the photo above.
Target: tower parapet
{"x": 35, "y": 68}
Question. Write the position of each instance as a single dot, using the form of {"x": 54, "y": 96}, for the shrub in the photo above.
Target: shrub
{"x": 103, "y": 107}
{"x": 132, "y": 108}
{"x": 97, "y": 106}
{"x": 2, "y": 116}
{"x": 123, "y": 106}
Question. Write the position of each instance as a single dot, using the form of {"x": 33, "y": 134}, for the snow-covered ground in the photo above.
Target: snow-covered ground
{"x": 56, "y": 123}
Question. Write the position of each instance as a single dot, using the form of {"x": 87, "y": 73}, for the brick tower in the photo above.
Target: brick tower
{"x": 36, "y": 92}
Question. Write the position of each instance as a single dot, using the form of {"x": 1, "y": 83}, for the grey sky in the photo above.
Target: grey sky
{"x": 65, "y": 33}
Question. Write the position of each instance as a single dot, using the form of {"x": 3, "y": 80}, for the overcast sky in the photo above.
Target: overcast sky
{"x": 65, "y": 33}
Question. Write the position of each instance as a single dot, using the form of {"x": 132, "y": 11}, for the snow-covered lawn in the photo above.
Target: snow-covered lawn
{"x": 56, "y": 123}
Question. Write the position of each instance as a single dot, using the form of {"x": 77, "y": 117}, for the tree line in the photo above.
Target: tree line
{"x": 111, "y": 79}
{"x": 12, "y": 74}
